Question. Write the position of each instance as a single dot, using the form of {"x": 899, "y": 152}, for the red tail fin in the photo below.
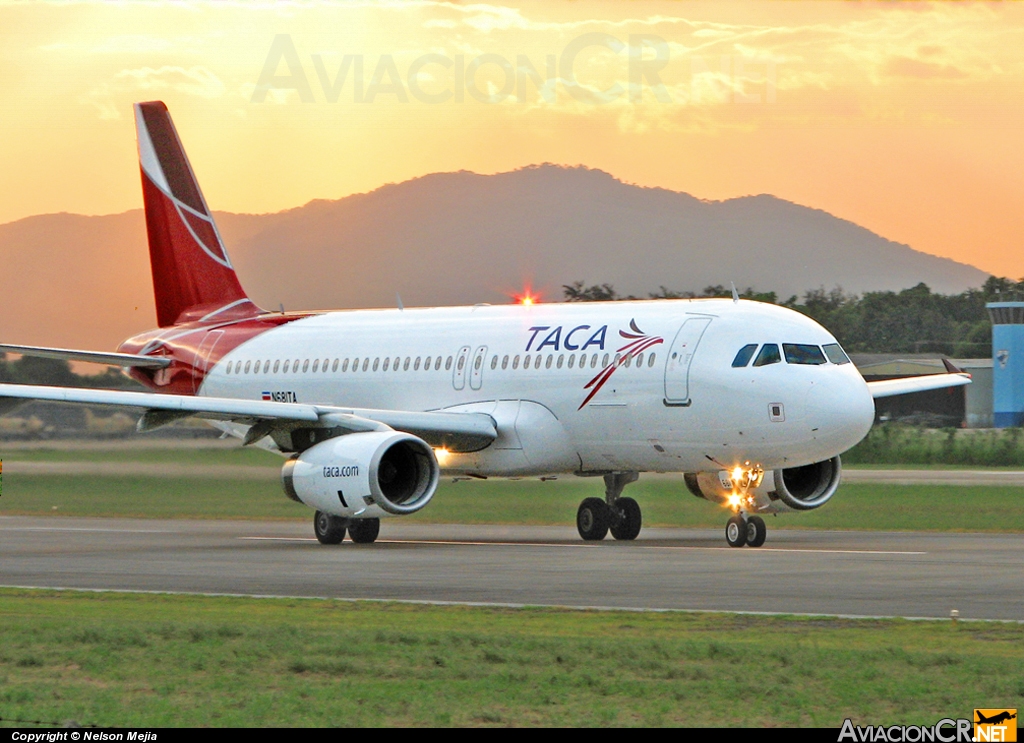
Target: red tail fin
{"x": 192, "y": 276}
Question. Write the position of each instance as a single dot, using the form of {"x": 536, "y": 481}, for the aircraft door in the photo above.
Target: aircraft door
{"x": 201, "y": 362}
{"x": 476, "y": 374}
{"x": 680, "y": 356}
{"x": 459, "y": 372}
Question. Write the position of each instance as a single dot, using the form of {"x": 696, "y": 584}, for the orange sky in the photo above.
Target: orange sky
{"x": 904, "y": 118}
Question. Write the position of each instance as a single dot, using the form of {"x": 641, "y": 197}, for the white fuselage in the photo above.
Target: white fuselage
{"x": 679, "y": 405}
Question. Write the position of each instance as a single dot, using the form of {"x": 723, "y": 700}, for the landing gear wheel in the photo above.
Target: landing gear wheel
{"x": 736, "y": 531}
{"x": 592, "y": 519}
{"x": 756, "y": 531}
{"x": 627, "y": 526}
{"x": 364, "y": 531}
{"x": 329, "y": 529}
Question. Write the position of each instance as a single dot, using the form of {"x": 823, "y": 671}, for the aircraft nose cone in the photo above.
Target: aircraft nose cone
{"x": 840, "y": 410}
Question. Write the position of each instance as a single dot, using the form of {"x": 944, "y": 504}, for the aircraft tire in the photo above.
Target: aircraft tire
{"x": 592, "y": 519}
{"x": 364, "y": 531}
{"x": 736, "y": 531}
{"x": 328, "y": 529}
{"x": 756, "y": 531}
{"x": 628, "y": 526}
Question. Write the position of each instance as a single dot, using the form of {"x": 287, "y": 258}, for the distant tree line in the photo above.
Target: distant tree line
{"x": 914, "y": 320}
{"x": 33, "y": 370}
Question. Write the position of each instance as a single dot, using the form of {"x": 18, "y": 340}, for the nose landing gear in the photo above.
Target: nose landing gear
{"x": 622, "y": 516}
{"x": 742, "y": 530}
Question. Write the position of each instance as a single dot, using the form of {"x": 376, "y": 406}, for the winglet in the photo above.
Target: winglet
{"x": 951, "y": 369}
{"x": 193, "y": 278}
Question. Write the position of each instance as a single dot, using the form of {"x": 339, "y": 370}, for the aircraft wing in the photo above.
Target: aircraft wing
{"x": 890, "y": 387}
{"x": 95, "y": 357}
{"x": 465, "y": 431}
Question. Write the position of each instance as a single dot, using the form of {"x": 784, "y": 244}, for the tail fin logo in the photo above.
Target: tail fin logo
{"x": 164, "y": 162}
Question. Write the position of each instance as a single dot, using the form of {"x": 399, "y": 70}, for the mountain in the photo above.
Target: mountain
{"x": 455, "y": 238}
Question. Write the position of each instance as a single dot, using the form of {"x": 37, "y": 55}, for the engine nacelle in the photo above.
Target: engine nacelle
{"x": 792, "y": 489}
{"x": 364, "y": 475}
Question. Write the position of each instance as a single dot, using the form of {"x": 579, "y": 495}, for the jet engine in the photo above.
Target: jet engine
{"x": 792, "y": 489}
{"x": 364, "y": 475}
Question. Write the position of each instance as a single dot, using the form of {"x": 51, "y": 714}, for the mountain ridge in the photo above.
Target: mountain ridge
{"x": 455, "y": 238}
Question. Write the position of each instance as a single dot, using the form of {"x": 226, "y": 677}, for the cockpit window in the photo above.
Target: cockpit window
{"x": 836, "y": 354}
{"x": 743, "y": 357}
{"x": 803, "y": 353}
{"x": 769, "y": 355}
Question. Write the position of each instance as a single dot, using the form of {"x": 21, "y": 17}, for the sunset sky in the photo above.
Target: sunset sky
{"x": 905, "y": 118}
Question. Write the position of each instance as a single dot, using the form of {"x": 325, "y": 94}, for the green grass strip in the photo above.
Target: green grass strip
{"x": 665, "y": 502}
{"x": 137, "y": 660}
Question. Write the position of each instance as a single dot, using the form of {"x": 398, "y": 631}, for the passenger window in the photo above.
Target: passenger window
{"x": 437, "y": 363}
{"x": 387, "y": 364}
{"x": 743, "y": 355}
{"x": 416, "y": 364}
{"x": 287, "y": 366}
{"x": 305, "y": 366}
{"x": 515, "y": 362}
{"x": 344, "y": 366}
{"x": 593, "y": 361}
{"x": 405, "y": 366}
{"x": 536, "y": 364}
{"x": 504, "y": 362}
{"x": 650, "y": 361}
{"x": 316, "y": 365}
{"x": 462, "y": 362}
{"x": 604, "y": 361}
{"x": 526, "y": 361}
{"x": 295, "y": 366}
{"x": 477, "y": 363}
{"x": 561, "y": 360}
{"x": 397, "y": 364}
{"x": 639, "y": 360}
{"x": 448, "y": 364}
{"x": 494, "y": 362}
{"x": 277, "y": 365}
{"x": 366, "y": 363}
{"x": 334, "y": 366}
{"x": 376, "y": 363}
{"x": 836, "y": 354}
{"x": 769, "y": 355}
{"x": 547, "y": 364}
{"x": 572, "y": 360}
{"x": 426, "y": 364}
{"x": 803, "y": 353}
{"x": 247, "y": 365}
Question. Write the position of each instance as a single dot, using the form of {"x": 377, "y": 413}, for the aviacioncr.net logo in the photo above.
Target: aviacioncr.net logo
{"x": 946, "y": 730}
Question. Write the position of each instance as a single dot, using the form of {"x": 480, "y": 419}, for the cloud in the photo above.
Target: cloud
{"x": 196, "y": 81}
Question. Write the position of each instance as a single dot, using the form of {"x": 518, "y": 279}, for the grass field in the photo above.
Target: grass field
{"x": 151, "y": 660}
{"x": 665, "y": 502}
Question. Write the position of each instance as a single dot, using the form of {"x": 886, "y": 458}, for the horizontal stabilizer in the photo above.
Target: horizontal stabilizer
{"x": 905, "y": 385}
{"x": 93, "y": 357}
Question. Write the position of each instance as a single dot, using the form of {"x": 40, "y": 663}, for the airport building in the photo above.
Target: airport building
{"x": 1008, "y": 362}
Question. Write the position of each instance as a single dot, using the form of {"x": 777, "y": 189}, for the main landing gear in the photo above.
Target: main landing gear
{"x": 331, "y": 529}
{"x": 741, "y": 530}
{"x": 621, "y": 516}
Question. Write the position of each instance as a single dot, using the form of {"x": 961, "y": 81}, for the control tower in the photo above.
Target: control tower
{"x": 1007, "y": 363}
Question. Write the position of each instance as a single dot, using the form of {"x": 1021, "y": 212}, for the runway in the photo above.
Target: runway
{"x": 806, "y": 572}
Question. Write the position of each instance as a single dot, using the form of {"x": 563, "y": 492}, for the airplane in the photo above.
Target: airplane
{"x": 752, "y": 402}
{"x": 1003, "y": 716}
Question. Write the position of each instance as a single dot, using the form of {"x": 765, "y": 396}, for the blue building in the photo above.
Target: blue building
{"x": 1007, "y": 363}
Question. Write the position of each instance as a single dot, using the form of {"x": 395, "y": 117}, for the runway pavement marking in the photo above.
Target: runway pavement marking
{"x": 502, "y": 604}
{"x": 549, "y": 544}
{"x": 77, "y": 528}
